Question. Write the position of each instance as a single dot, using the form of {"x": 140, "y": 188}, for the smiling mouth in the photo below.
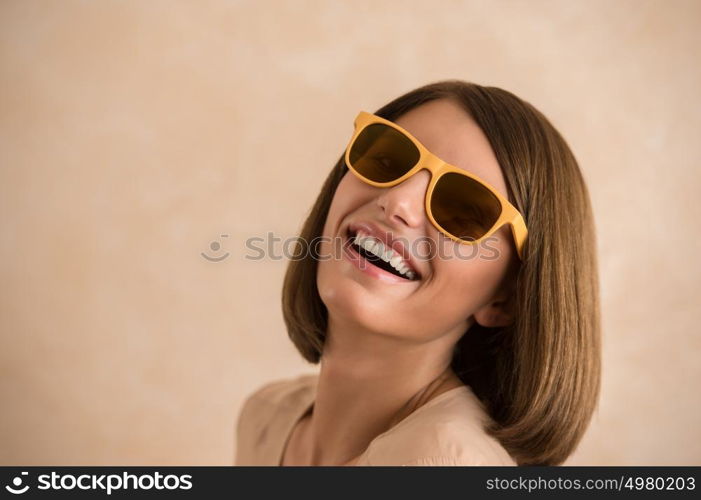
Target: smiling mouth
{"x": 376, "y": 261}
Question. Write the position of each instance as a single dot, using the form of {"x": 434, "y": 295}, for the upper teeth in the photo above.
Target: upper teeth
{"x": 378, "y": 248}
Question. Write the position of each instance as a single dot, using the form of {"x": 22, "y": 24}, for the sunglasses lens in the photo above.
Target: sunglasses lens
{"x": 382, "y": 154}
{"x": 464, "y": 207}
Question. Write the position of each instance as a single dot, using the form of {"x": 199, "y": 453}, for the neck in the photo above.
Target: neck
{"x": 368, "y": 383}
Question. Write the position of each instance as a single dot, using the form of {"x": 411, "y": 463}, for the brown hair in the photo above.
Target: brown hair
{"x": 538, "y": 378}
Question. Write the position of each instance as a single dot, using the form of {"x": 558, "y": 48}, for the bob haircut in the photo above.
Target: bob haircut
{"x": 538, "y": 378}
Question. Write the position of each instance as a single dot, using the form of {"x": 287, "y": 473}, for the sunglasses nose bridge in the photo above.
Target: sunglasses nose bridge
{"x": 431, "y": 163}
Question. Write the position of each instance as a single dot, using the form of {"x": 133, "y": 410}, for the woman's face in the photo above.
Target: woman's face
{"x": 457, "y": 284}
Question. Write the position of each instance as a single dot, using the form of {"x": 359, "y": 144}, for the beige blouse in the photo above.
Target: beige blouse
{"x": 447, "y": 430}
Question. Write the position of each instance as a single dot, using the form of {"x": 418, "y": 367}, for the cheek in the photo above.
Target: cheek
{"x": 350, "y": 194}
{"x": 471, "y": 273}
{"x": 346, "y": 197}
{"x": 463, "y": 284}
{"x": 336, "y": 289}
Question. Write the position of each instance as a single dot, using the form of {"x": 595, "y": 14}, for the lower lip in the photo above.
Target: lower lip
{"x": 366, "y": 267}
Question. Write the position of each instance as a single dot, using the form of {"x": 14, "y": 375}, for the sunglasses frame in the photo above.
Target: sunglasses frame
{"x": 437, "y": 167}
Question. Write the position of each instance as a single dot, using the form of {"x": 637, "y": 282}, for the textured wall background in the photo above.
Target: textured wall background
{"x": 134, "y": 134}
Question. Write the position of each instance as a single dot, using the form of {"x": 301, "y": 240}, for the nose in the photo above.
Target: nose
{"x": 404, "y": 203}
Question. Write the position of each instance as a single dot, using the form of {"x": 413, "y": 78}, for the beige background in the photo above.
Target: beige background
{"x": 133, "y": 134}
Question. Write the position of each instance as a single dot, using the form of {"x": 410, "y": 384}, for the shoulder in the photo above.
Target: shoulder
{"x": 264, "y": 416}
{"x": 280, "y": 393}
{"x": 449, "y": 430}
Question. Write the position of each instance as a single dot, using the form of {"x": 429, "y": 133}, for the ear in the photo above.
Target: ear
{"x": 498, "y": 312}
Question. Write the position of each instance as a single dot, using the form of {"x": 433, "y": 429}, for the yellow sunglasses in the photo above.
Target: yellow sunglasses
{"x": 459, "y": 204}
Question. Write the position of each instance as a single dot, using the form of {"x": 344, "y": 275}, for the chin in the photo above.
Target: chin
{"x": 349, "y": 302}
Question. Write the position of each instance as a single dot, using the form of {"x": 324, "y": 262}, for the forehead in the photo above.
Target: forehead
{"x": 447, "y": 131}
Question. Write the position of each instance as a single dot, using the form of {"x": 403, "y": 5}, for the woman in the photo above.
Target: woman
{"x": 450, "y": 295}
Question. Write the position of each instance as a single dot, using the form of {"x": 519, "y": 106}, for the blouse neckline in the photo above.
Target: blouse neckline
{"x": 310, "y": 398}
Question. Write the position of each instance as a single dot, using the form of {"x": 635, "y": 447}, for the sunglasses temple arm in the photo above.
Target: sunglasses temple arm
{"x": 519, "y": 232}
